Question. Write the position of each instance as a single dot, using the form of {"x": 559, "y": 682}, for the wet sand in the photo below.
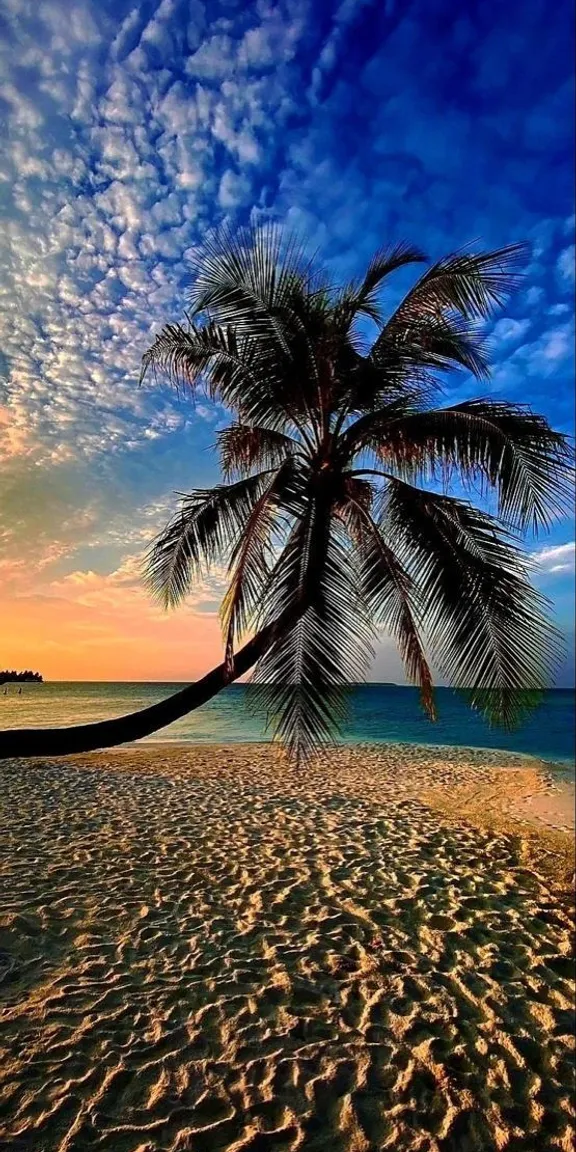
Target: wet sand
{"x": 204, "y": 949}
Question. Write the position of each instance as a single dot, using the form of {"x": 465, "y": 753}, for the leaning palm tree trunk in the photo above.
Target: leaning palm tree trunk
{"x": 25, "y": 742}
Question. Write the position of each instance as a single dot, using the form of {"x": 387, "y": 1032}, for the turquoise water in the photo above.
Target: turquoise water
{"x": 377, "y": 713}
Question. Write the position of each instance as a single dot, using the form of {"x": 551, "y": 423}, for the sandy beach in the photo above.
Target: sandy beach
{"x": 204, "y": 949}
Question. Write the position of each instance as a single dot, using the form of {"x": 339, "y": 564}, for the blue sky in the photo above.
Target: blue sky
{"x": 128, "y": 130}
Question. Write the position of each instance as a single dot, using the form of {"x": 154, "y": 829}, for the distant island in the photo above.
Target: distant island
{"x": 26, "y": 677}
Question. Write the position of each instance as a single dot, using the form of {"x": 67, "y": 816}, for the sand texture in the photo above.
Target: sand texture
{"x": 202, "y": 949}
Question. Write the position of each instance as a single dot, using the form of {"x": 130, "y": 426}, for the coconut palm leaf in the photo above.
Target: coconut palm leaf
{"x": 252, "y": 275}
{"x": 506, "y": 446}
{"x": 273, "y": 296}
{"x": 471, "y": 284}
{"x": 435, "y": 343}
{"x": 363, "y": 297}
{"x": 302, "y": 680}
{"x": 246, "y": 372}
{"x": 487, "y": 627}
{"x": 390, "y": 593}
{"x": 201, "y": 534}
{"x": 206, "y": 356}
{"x": 246, "y": 446}
{"x": 367, "y": 383}
{"x": 409, "y": 360}
{"x": 253, "y": 554}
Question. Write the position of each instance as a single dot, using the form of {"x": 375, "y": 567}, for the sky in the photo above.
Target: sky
{"x": 127, "y": 131}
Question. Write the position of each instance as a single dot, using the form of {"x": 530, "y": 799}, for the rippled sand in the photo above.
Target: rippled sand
{"x": 204, "y": 949}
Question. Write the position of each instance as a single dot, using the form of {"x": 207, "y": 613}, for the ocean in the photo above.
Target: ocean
{"x": 378, "y": 713}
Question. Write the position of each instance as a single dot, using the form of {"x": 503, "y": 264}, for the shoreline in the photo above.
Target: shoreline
{"x": 548, "y": 735}
{"x": 206, "y": 948}
{"x": 477, "y": 751}
{"x": 551, "y": 805}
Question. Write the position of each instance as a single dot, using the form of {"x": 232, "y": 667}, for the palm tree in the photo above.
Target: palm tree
{"x": 335, "y": 517}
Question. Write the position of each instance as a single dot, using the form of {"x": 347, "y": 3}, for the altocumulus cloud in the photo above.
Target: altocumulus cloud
{"x": 131, "y": 129}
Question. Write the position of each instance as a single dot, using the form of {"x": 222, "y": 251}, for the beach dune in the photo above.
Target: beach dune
{"x": 209, "y": 949}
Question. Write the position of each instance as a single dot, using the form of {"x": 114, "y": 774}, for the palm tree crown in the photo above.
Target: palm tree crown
{"x": 335, "y": 519}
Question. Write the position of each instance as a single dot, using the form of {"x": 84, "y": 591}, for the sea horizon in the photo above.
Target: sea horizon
{"x": 241, "y": 683}
{"x": 378, "y": 713}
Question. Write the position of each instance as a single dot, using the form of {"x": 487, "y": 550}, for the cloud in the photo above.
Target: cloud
{"x": 131, "y": 129}
{"x": 14, "y": 436}
{"x": 213, "y": 60}
{"x": 557, "y": 559}
{"x": 508, "y": 331}
{"x": 122, "y": 590}
{"x": 234, "y": 190}
{"x": 534, "y": 295}
{"x": 547, "y": 356}
{"x": 556, "y": 344}
{"x": 23, "y": 112}
{"x": 107, "y": 632}
{"x": 566, "y": 265}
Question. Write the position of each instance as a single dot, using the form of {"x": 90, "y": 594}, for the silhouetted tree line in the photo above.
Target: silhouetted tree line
{"x": 18, "y": 677}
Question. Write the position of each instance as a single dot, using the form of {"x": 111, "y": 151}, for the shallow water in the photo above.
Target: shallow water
{"x": 377, "y": 714}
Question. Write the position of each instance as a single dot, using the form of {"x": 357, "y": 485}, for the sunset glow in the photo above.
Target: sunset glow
{"x": 131, "y": 132}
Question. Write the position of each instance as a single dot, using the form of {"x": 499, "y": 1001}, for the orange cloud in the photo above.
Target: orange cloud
{"x": 66, "y": 641}
{"x": 14, "y": 437}
{"x": 88, "y": 626}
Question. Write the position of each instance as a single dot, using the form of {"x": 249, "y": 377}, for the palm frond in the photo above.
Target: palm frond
{"x": 260, "y": 282}
{"x": 251, "y": 559}
{"x": 302, "y": 680}
{"x": 353, "y": 496}
{"x": 244, "y": 371}
{"x": 210, "y": 356}
{"x": 201, "y": 533}
{"x": 505, "y": 446}
{"x": 488, "y": 628}
{"x": 389, "y": 591}
{"x": 431, "y": 342}
{"x": 363, "y": 298}
{"x": 368, "y": 431}
{"x": 246, "y": 446}
{"x": 471, "y": 284}
{"x": 386, "y": 261}
{"x": 406, "y": 361}
{"x": 364, "y": 383}
{"x": 255, "y": 279}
